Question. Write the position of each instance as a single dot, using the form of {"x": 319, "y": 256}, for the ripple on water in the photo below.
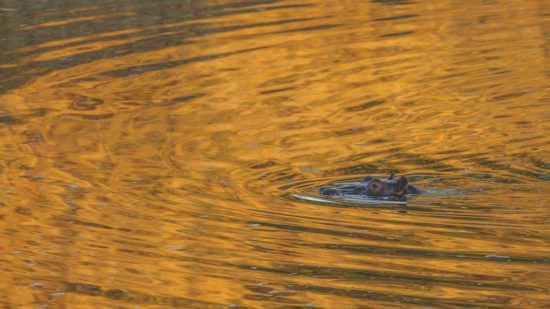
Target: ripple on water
{"x": 170, "y": 154}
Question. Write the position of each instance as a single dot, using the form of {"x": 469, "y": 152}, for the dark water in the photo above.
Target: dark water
{"x": 168, "y": 154}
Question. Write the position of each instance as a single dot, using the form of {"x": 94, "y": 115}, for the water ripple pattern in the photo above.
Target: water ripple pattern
{"x": 169, "y": 154}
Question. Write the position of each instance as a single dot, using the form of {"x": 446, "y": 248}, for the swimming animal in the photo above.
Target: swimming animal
{"x": 371, "y": 186}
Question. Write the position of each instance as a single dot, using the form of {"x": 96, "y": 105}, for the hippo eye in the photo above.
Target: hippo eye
{"x": 375, "y": 186}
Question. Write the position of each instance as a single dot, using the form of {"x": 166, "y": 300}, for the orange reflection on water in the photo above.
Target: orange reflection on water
{"x": 171, "y": 171}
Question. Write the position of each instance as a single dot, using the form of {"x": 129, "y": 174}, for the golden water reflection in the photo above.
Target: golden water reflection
{"x": 169, "y": 155}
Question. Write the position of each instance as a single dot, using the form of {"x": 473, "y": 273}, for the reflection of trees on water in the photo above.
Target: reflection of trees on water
{"x": 74, "y": 23}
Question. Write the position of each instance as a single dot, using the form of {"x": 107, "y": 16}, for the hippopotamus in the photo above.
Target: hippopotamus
{"x": 371, "y": 186}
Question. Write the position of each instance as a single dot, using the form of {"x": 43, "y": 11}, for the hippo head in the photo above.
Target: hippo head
{"x": 380, "y": 187}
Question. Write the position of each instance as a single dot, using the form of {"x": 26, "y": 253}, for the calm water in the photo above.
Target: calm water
{"x": 168, "y": 154}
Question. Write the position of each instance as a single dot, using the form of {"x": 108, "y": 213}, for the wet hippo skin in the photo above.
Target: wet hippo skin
{"x": 371, "y": 186}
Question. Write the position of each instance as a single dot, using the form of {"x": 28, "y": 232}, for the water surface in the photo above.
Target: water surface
{"x": 168, "y": 154}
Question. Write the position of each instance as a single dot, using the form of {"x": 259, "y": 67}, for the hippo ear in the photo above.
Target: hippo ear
{"x": 392, "y": 176}
{"x": 401, "y": 185}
